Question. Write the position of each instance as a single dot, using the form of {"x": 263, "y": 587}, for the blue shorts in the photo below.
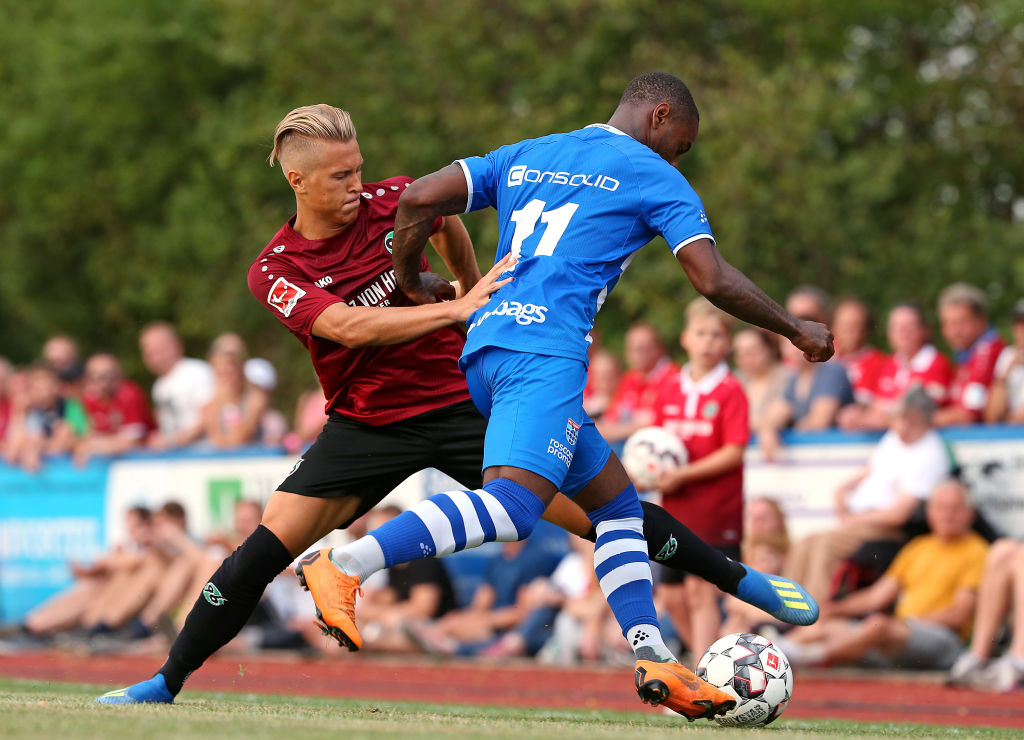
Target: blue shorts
{"x": 535, "y": 419}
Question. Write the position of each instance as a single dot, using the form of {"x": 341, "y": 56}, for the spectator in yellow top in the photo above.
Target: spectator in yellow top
{"x": 933, "y": 583}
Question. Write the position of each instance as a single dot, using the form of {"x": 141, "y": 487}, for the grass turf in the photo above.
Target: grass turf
{"x": 34, "y": 709}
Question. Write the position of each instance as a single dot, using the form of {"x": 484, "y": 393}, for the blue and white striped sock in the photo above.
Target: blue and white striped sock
{"x": 501, "y": 511}
{"x": 624, "y": 572}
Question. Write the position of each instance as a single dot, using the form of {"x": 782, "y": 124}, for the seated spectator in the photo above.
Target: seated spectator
{"x": 810, "y": 401}
{"x": 763, "y": 517}
{"x": 757, "y": 357}
{"x": 417, "y": 591}
{"x": 851, "y": 325}
{"x": 705, "y": 407}
{"x": 933, "y": 583}
{"x": 647, "y": 366}
{"x": 162, "y": 579}
{"x": 976, "y": 345}
{"x": 497, "y": 605}
{"x": 1006, "y": 402}
{"x": 1001, "y": 591}
{"x": 603, "y": 378}
{"x": 45, "y": 426}
{"x": 768, "y": 554}
{"x": 543, "y": 599}
{"x": 65, "y": 610}
{"x": 913, "y": 362}
{"x": 232, "y": 418}
{"x": 117, "y": 409}
{"x": 183, "y": 386}
{"x": 874, "y": 505}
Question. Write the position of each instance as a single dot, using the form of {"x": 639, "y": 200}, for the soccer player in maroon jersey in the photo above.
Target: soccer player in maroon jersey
{"x": 397, "y": 401}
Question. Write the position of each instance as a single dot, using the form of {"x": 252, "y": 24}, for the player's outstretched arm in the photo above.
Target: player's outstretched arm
{"x": 441, "y": 193}
{"x": 364, "y": 326}
{"x": 732, "y": 291}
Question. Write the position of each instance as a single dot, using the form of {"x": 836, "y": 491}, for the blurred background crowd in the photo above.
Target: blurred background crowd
{"x": 908, "y": 579}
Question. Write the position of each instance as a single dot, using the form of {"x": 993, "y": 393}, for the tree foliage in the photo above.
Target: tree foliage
{"x": 873, "y": 148}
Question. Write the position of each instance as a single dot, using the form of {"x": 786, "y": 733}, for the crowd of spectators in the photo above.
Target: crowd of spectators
{"x": 884, "y": 599}
{"x": 86, "y": 408}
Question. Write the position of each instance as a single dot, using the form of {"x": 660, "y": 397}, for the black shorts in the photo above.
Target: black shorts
{"x": 674, "y": 576}
{"x": 351, "y": 458}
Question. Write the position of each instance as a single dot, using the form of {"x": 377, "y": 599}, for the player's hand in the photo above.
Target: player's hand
{"x": 815, "y": 340}
{"x": 432, "y": 288}
{"x": 481, "y": 292}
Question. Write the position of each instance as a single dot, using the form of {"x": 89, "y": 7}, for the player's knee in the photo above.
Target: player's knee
{"x": 625, "y": 505}
{"x": 523, "y": 507}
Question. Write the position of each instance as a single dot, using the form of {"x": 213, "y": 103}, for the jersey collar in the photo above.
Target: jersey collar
{"x": 693, "y": 390}
{"x": 606, "y": 127}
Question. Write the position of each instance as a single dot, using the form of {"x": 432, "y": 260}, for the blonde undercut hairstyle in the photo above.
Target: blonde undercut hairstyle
{"x": 701, "y": 306}
{"x": 299, "y": 131}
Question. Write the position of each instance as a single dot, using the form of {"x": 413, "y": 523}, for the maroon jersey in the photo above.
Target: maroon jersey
{"x": 128, "y": 410}
{"x": 297, "y": 278}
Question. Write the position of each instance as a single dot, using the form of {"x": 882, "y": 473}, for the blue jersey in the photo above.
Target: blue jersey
{"x": 575, "y": 208}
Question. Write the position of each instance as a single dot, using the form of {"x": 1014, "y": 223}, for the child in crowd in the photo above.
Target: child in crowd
{"x": 705, "y": 406}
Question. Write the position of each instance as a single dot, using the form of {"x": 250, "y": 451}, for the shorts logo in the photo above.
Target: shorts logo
{"x": 389, "y": 242}
{"x": 283, "y": 296}
{"x": 710, "y": 410}
{"x": 560, "y": 451}
{"x": 572, "y": 432}
{"x": 212, "y": 594}
{"x": 668, "y": 550}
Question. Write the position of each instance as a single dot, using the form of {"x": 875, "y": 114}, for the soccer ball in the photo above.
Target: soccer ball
{"x": 752, "y": 669}
{"x": 649, "y": 452}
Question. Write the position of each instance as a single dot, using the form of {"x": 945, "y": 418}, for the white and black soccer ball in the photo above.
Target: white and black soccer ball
{"x": 755, "y": 671}
{"x": 649, "y": 452}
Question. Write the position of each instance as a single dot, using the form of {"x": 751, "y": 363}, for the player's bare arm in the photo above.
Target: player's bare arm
{"x": 453, "y": 244}
{"x": 364, "y": 326}
{"x": 732, "y": 291}
{"x": 442, "y": 193}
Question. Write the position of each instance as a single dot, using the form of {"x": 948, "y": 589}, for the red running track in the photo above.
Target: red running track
{"x": 816, "y": 695}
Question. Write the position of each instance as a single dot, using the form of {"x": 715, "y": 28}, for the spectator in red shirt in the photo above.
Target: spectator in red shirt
{"x": 976, "y": 347}
{"x": 705, "y": 406}
{"x": 6, "y": 373}
{"x": 632, "y": 406}
{"x": 914, "y": 361}
{"x": 117, "y": 409}
{"x": 851, "y": 322}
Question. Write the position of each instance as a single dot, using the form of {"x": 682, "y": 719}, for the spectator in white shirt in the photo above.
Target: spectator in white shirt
{"x": 183, "y": 386}
{"x": 910, "y": 460}
{"x": 1006, "y": 400}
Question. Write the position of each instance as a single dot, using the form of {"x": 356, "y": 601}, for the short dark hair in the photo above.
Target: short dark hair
{"x": 660, "y": 87}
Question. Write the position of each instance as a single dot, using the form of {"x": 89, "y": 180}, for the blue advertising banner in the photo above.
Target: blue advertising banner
{"x": 46, "y": 520}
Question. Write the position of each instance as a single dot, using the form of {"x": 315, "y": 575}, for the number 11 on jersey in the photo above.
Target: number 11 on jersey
{"x": 556, "y": 221}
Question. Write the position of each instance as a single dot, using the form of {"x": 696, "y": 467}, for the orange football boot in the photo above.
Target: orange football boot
{"x": 675, "y": 686}
{"x": 334, "y": 595}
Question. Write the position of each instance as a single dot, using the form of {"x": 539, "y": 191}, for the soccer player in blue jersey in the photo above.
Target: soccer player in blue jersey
{"x": 574, "y": 209}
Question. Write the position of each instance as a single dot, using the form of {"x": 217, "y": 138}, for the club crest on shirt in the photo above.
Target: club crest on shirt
{"x": 283, "y": 296}
{"x": 572, "y": 432}
{"x": 710, "y": 410}
{"x": 389, "y": 242}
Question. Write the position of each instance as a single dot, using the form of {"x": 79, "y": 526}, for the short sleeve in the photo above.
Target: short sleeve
{"x": 292, "y": 298}
{"x": 832, "y": 382}
{"x": 899, "y": 566}
{"x": 482, "y": 177}
{"x": 735, "y": 418}
{"x": 671, "y": 207}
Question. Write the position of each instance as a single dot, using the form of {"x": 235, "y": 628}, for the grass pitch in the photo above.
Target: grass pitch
{"x": 34, "y": 709}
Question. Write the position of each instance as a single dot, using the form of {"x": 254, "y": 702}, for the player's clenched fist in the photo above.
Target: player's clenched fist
{"x": 815, "y": 340}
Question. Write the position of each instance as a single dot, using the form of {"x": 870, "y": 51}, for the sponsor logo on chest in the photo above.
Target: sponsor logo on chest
{"x": 378, "y": 293}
